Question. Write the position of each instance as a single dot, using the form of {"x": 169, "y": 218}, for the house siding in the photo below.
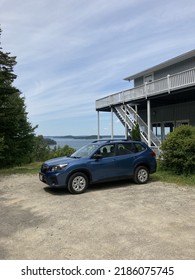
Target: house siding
{"x": 139, "y": 81}
{"x": 176, "y": 68}
{"x": 174, "y": 113}
{"x": 170, "y": 70}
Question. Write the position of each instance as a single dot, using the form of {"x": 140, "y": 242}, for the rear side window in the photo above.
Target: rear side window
{"x": 139, "y": 147}
{"x": 129, "y": 148}
{"x": 126, "y": 148}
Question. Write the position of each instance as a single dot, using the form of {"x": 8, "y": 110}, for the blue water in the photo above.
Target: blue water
{"x": 76, "y": 143}
{"x": 73, "y": 143}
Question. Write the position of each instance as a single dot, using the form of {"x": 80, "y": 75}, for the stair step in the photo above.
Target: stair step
{"x": 129, "y": 117}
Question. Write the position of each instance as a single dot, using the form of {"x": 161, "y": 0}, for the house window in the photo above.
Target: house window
{"x": 161, "y": 130}
{"x": 167, "y": 128}
{"x": 149, "y": 78}
{"x": 183, "y": 122}
{"x": 156, "y": 127}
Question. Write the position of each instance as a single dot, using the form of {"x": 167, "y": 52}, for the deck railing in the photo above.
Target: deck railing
{"x": 167, "y": 84}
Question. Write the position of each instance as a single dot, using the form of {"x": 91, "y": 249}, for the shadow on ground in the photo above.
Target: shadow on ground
{"x": 93, "y": 187}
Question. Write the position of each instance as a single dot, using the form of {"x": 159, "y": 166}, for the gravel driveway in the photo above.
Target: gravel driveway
{"x": 110, "y": 221}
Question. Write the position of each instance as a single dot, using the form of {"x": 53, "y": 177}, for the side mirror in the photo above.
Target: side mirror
{"x": 97, "y": 156}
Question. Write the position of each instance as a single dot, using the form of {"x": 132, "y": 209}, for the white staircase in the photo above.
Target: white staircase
{"x": 129, "y": 117}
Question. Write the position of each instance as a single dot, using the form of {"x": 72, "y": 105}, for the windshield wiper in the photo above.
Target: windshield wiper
{"x": 74, "y": 157}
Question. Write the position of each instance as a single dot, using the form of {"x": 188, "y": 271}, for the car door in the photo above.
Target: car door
{"x": 104, "y": 168}
{"x": 125, "y": 157}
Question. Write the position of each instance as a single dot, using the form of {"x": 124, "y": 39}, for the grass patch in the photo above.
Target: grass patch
{"x": 170, "y": 177}
{"x": 31, "y": 168}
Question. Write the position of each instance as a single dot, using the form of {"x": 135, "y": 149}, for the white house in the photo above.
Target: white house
{"x": 163, "y": 97}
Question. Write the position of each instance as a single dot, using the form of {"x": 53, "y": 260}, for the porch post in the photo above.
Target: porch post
{"x": 126, "y": 128}
{"x": 98, "y": 115}
{"x": 112, "y": 127}
{"x": 149, "y": 122}
{"x": 136, "y": 110}
{"x": 168, "y": 83}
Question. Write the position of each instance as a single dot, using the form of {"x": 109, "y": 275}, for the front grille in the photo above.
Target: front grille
{"x": 44, "y": 168}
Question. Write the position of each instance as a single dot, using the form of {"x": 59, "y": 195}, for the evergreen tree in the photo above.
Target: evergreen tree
{"x": 16, "y": 133}
{"x": 135, "y": 133}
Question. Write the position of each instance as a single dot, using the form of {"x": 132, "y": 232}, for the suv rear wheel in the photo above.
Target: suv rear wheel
{"x": 77, "y": 183}
{"x": 141, "y": 175}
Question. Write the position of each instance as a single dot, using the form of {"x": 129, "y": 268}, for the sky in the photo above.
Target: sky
{"x": 72, "y": 52}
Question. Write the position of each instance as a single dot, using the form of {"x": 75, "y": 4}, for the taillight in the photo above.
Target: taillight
{"x": 153, "y": 154}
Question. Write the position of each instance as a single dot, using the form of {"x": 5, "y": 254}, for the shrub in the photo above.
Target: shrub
{"x": 42, "y": 150}
{"x": 178, "y": 150}
{"x": 61, "y": 152}
{"x": 135, "y": 133}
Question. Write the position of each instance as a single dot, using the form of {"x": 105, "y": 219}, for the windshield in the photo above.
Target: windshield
{"x": 85, "y": 151}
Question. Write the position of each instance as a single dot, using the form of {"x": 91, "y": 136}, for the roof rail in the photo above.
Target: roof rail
{"x": 110, "y": 140}
{"x": 103, "y": 140}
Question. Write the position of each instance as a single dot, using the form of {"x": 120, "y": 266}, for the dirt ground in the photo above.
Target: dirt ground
{"x": 118, "y": 220}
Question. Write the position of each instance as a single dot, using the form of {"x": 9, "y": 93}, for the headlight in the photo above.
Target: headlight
{"x": 58, "y": 167}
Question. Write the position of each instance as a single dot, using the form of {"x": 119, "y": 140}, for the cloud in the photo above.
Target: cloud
{"x": 71, "y": 53}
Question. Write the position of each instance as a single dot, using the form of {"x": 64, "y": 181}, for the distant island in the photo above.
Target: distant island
{"x": 49, "y": 141}
{"x": 85, "y": 136}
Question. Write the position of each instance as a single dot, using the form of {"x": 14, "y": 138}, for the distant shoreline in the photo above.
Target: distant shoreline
{"x": 84, "y": 136}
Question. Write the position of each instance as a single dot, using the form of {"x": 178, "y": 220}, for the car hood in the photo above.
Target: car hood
{"x": 60, "y": 160}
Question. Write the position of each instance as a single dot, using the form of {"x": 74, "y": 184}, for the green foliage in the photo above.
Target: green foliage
{"x": 135, "y": 133}
{"x": 30, "y": 168}
{"x": 2, "y": 146}
{"x": 42, "y": 150}
{"x": 60, "y": 152}
{"x": 49, "y": 141}
{"x": 16, "y": 133}
{"x": 178, "y": 150}
{"x": 169, "y": 176}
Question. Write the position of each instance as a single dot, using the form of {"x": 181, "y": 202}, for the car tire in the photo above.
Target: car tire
{"x": 77, "y": 183}
{"x": 141, "y": 175}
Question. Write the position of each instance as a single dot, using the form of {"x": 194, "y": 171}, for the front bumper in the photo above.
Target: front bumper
{"x": 52, "y": 180}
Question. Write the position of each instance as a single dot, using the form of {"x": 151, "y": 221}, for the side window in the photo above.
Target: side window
{"x": 126, "y": 148}
{"x": 139, "y": 147}
{"x": 107, "y": 150}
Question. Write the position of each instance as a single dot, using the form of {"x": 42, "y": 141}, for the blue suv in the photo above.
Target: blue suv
{"x": 100, "y": 161}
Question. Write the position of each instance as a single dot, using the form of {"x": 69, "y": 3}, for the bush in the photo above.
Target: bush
{"x": 135, "y": 133}
{"x": 61, "y": 152}
{"x": 178, "y": 150}
{"x": 42, "y": 150}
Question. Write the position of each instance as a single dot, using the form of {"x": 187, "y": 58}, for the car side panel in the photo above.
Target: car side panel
{"x": 103, "y": 169}
{"x": 125, "y": 164}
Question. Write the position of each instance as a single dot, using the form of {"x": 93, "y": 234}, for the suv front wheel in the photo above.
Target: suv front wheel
{"x": 141, "y": 175}
{"x": 77, "y": 183}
